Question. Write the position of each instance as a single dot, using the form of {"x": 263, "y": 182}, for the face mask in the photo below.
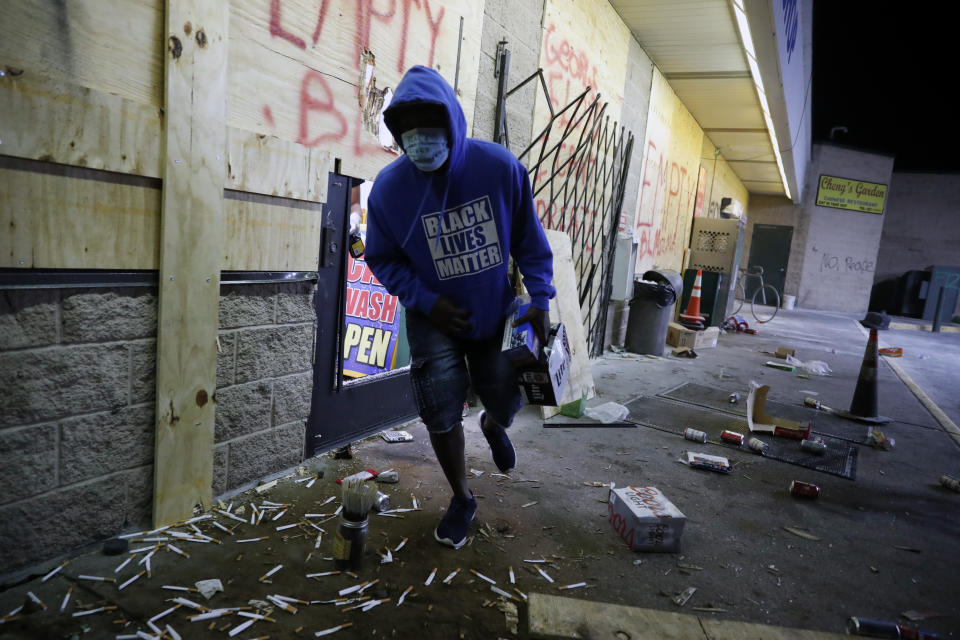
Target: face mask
{"x": 426, "y": 147}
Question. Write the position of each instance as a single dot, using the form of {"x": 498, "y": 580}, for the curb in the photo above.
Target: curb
{"x": 922, "y": 327}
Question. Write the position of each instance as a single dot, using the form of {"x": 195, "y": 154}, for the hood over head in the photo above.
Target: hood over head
{"x": 425, "y": 86}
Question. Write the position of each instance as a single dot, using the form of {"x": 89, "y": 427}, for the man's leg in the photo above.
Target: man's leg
{"x": 448, "y": 447}
{"x": 494, "y": 381}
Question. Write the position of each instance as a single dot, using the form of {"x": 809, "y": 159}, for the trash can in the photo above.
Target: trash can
{"x": 651, "y": 310}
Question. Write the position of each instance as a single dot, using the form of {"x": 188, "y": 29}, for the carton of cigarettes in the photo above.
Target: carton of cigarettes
{"x": 645, "y": 519}
{"x": 520, "y": 344}
{"x": 542, "y": 383}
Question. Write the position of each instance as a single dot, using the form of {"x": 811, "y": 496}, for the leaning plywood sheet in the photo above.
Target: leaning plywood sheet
{"x": 269, "y": 234}
{"x": 113, "y": 46}
{"x": 565, "y": 308}
{"x": 191, "y": 236}
{"x": 59, "y": 217}
{"x": 56, "y": 121}
{"x": 296, "y": 68}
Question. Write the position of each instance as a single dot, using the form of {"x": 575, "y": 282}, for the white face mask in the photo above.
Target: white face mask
{"x": 427, "y": 147}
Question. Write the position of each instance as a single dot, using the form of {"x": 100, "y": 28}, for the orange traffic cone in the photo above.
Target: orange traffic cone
{"x": 863, "y": 407}
{"x": 692, "y": 318}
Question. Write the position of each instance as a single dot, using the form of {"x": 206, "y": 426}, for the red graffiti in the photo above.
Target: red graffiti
{"x": 277, "y": 31}
{"x": 665, "y": 187}
{"x": 566, "y": 67}
{"x": 324, "y": 104}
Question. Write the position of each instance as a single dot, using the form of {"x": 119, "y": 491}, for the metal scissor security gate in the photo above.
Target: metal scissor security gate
{"x": 578, "y": 167}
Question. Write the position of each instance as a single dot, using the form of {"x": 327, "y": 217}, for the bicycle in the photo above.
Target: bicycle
{"x": 765, "y": 301}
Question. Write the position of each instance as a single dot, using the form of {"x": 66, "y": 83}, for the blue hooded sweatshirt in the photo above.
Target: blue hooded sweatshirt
{"x": 450, "y": 232}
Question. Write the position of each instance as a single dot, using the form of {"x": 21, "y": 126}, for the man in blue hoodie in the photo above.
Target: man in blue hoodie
{"x": 442, "y": 221}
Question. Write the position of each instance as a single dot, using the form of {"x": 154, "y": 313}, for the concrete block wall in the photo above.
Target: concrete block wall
{"x": 519, "y": 23}
{"x": 77, "y": 414}
{"x": 636, "y": 105}
{"x": 840, "y": 254}
{"x": 780, "y": 211}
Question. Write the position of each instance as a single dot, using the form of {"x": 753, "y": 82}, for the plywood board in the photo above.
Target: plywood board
{"x": 722, "y": 182}
{"x": 295, "y": 67}
{"x": 735, "y": 630}
{"x": 57, "y": 217}
{"x": 668, "y": 183}
{"x": 565, "y": 308}
{"x": 191, "y": 235}
{"x": 266, "y": 234}
{"x": 56, "y": 121}
{"x": 113, "y": 46}
{"x": 258, "y": 163}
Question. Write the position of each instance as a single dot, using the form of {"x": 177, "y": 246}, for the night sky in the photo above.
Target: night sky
{"x": 889, "y": 73}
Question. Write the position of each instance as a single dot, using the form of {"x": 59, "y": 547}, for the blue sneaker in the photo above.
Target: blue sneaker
{"x": 452, "y": 530}
{"x": 504, "y": 455}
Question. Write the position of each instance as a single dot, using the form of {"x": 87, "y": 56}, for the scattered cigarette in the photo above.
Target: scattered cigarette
{"x": 339, "y": 509}
{"x": 387, "y": 558}
{"x": 54, "y": 572}
{"x": 416, "y": 505}
{"x": 316, "y": 515}
{"x": 156, "y": 539}
{"x": 482, "y": 577}
{"x": 476, "y": 473}
{"x": 310, "y": 484}
{"x": 544, "y": 574}
{"x": 176, "y": 550}
{"x": 190, "y": 603}
{"x": 216, "y": 613}
{"x": 452, "y": 575}
{"x": 400, "y": 546}
{"x": 173, "y": 634}
{"x": 221, "y": 527}
{"x": 327, "y": 632}
{"x": 513, "y": 578}
{"x": 501, "y": 592}
{"x": 198, "y": 519}
{"x": 230, "y": 515}
{"x": 241, "y": 627}
{"x": 319, "y": 538}
{"x": 271, "y": 572}
{"x": 95, "y": 578}
{"x": 170, "y": 587}
{"x": 301, "y": 480}
{"x": 286, "y": 526}
{"x": 373, "y": 603}
{"x": 349, "y": 590}
{"x": 123, "y": 564}
{"x": 131, "y": 580}
{"x": 134, "y": 552}
{"x": 367, "y": 586}
{"x": 529, "y": 504}
{"x": 328, "y": 500}
{"x": 88, "y": 612}
{"x": 323, "y": 573}
{"x": 164, "y": 613}
{"x": 576, "y": 585}
{"x": 253, "y": 539}
{"x": 404, "y": 595}
{"x": 521, "y": 593}
{"x": 535, "y": 561}
{"x": 127, "y": 536}
{"x": 66, "y": 599}
{"x": 255, "y": 616}
{"x": 278, "y": 516}
{"x": 283, "y": 605}
{"x": 430, "y": 577}
{"x": 500, "y": 475}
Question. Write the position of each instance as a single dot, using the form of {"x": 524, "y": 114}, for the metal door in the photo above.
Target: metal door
{"x": 770, "y": 249}
{"x": 341, "y": 413}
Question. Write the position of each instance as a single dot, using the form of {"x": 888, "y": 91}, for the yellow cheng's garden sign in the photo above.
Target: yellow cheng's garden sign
{"x": 854, "y": 195}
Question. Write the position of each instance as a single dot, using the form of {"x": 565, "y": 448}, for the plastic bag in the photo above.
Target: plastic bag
{"x": 816, "y": 367}
{"x": 607, "y": 412}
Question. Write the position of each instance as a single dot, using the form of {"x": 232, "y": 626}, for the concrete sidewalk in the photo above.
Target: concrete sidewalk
{"x": 875, "y": 547}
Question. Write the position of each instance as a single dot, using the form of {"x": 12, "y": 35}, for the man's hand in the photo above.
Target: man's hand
{"x": 450, "y": 318}
{"x": 539, "y": 319}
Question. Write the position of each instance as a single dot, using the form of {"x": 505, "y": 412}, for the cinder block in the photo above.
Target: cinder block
{"x": 221, "y": 456}
{"x": 101, "y": 443}
{"x": 291, "y": 398}
{"x": 58, "y": 521}
{"x": 44, "y": 384}
{"x": 138, "y": 496}
{"x": 241, "y": 410}
{"x": 295, "y": 302}
{"x": 28, "y": 461}
{"x": 28, "y": 318}
{"x": 273, "y": 351}
{"x": 226, "y": 359}
{"x": 247, "y": 305}
{"x": 493, "y": 10}
{"x": 264, "y": 453}
{"x": 108, "y": 315}
{"x": 143, "y": 371}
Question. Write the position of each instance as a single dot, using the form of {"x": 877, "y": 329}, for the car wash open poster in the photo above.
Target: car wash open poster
{"x": 372, "y": 323}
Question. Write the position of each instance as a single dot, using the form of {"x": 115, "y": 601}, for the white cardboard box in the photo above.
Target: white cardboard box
{"x": 543, "y": 383}
{"x": 645, "y": 519}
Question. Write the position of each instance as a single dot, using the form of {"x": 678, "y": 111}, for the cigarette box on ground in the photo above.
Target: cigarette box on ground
{"x": 679, "y": 336}
{"x": 645, "y": 519}
{"x": 542, "y": 383}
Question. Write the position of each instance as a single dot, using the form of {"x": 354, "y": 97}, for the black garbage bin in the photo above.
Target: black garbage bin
{"x": 651, "y": 309}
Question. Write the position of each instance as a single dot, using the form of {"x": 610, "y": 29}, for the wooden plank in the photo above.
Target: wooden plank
{"x": 113, "y": 46}
{"x": 286, "y": 83}
{"x": 57, "y": 217}
{"x": 259, "y": 163}
{"x": 191, "y": 235}
{"x": 565, "y": 308}
{"x": 56, "y": 121}
{"x": 557, "y": 617}
{"x": 266, "y": 234}
{"x": 736, "y": 630}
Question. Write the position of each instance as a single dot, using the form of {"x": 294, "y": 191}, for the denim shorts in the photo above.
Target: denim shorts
{"x": 442, "y": 368}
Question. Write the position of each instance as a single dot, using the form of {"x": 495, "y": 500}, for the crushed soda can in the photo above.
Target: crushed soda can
{"x": 813, "y": 403}
{"x": 757, "y": 445}
{"x": 708, "y": 462}
{"x": 732, "y": 437}
{"x": 734, "y": 398}
{"x": 695, "y": 435}
{"x": 857, "y": 626}
{"x": 381, "y": 502}
{"x": 877, "y": 440}
{"x": 800, "y": 489}
{"x": 816, "y": 446}
{"x": 950, "y": 482}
